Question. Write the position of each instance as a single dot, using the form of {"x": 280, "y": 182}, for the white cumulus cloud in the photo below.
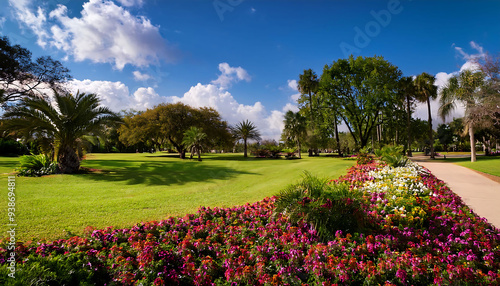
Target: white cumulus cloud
{"x": 34, "y": 19}
{"x": 216, "y": 95}
{"x": 116, "y": 95}
{"x": 138, "y": 76}
{"x": 104, "y": 33}
{"x": 230, "y": 75}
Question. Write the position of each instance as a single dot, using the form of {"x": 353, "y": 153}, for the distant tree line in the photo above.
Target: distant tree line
{"x": 375, "y": 102}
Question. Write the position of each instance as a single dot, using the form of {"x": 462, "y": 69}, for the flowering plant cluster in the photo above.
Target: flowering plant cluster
{"x": 444, "y": 243}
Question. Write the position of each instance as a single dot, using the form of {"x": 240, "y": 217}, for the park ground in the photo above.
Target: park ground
{"x": 121, "y": 190}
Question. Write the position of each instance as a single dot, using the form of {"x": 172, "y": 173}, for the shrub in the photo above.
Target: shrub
{"x": 289, "y": 153}
{"x": 392, "y": 155}
{"x": 11, "y": 147}
{"x": 71, "y": 269}
{"x": 267, "y": 151}
{"x": 327, "y": 207}
{"x": 36, "y": 166}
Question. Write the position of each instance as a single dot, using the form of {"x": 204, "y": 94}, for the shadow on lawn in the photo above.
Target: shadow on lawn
{"x": 465, "y": 158}
{"x": 160, "y": 173}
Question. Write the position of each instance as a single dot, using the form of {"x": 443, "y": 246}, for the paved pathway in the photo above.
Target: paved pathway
{"x": 477, "y": 191}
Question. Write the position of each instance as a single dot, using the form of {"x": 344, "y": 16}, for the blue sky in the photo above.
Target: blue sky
{"x": 242, "y": 57}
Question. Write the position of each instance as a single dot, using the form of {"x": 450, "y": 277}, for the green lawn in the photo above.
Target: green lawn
{"x": 144, "y": 187}
{"x": 485, "y": 164}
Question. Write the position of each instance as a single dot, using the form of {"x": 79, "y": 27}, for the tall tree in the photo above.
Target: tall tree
{"x": 363, "y": 88}
{"x": 425, "y": 92}
{"x": 20, "y": 76}
{"x": 66, "y": 120}
{"x": 246, "y": 130}
{"x": 295, "y": 127}
{"x": 193, "y": 139}
{"x": 308, "y": 87}
{"x": 330, "y": 110}
{"x": 407, "y": 89}
{"x": 465, "y": 88}
{"x": 168, "y": 122}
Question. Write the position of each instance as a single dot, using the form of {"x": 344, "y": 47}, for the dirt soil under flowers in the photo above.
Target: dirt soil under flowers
{"x": 480, "y": 192}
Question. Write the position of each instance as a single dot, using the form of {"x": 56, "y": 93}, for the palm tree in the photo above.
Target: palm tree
{"x": 308, "y": 85}
{"x": 408, "y": 95}
{"x": 295, "y": 127}
{"x": 246, "y": 130}
{"x": 425, "y": 91}
{"x": 193, "y": 139}
{"x": 464, "y": 87}
{"x": 66, "y": 121}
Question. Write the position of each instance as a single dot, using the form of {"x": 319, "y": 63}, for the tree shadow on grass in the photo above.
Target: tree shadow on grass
{"x": 160, "y": 173}
{"x": 466, "y": 158}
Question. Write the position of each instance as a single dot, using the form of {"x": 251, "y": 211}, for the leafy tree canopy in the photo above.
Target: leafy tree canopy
{"x": 20, "y": 76}
{"x": 363, "y": 88}
{"x": 168, "y": 123}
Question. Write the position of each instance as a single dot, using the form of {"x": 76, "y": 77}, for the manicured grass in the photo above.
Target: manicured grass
{"x": 144, "y": 187}
{"x": 486, "y": 164}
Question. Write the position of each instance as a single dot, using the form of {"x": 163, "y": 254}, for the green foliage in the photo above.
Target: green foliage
{"x": 295, "y": 127}
{"x": 245, "y": 130}
{"x": 9, "y": 147}
{"x": 70, "y": 269}
{"x": 36, "y": 166}
{"x": 392, "y": 155}
{"x": 289, "y": 153}
{"x": 65, "y": 122}
{"x": 194, "y": 139}
{"x": 167, "y": 123}
{"x": 327, "y": 207}
{"x": 362, "y": 90}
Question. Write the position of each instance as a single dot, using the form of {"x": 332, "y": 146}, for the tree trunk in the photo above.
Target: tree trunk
{"x": 472, "y": 143}
{"x": 408, "y": 126}
{"x": 68, "y": 160}
{"x": 337, "y": 136}
{"x": 245, "y": 148}
{"x": 198, "y": 151}
{"x": 192, "y": 152}
{"x": 431, "y": 138}
{"x": 298, "y": 143}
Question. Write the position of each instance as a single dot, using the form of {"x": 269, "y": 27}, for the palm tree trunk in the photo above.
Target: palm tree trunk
{"x": 472, "y": 143}
{"x": 245, "y": 147}
{"x": 408, "y": 126}
{"x": 198, "y": 151}
{"x": 431, "y": 139}
{"x": 68, "y": 160}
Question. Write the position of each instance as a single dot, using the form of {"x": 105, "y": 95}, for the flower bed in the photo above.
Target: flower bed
{"x": 420, "y": 233}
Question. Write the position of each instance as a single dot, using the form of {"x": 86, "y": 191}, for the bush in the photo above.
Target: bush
{"x": 267, "y": 151}
{"x": 289, "y": 153}
{"x": 327, "y": 207}
{"x": 71, "y": 269}
{"x": 36, "y": 166}
{"x": 11, "y": 147}
{"x": 392, "y": 155}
